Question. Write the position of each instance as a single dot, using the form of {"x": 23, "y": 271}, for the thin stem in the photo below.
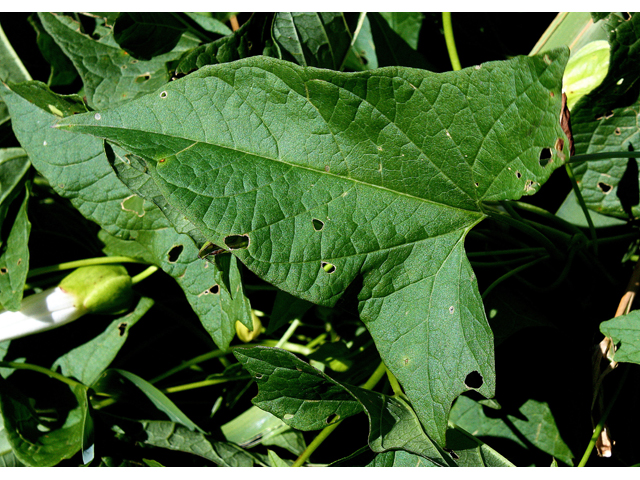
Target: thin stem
{"x": 81, "y": 263}
{"x": 501, "y": 263}
{"x": 602, "y": 156}
{"x": 515, "y": 251}
{"x": 511, "y": 273}
{"x": 395, "y": 385}
{"x": 527, "y": 229}
{"x": 39, "y": 369}
{"x": 290, "y": 331}
{"x": 375, "y": 377}
{"x": 203, "y": 383}
{"x": 603, "y": 419}
{"x": 142, "y": 275}
{"x": 315, "y": 443}
{"x": 292, "y": 347}
{"x": 566, "y": 226}
{"x": 583, "y": 206}
{"x": 451, "y": 43}
{"x": 322, "y": 436}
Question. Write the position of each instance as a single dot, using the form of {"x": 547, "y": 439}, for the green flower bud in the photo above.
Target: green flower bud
{"x": 97, "y": 289}
{"x": 100, "y": 288}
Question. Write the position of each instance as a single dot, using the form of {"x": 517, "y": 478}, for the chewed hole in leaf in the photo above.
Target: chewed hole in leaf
{"x": 617, "y": 131}
{"x": 163, "y": 94}
{"x": 545, "y": 157}
{"x": 334, "y": 417}
{"x": 143, "y": 78}
{"x": 626, "y": 16}
{"x": 4, "y": 270}
{"x": 287, "y": 416}
{"x": 97, "y": 116}
{"x": 518, "y": 174}
{"x": 236, "y": 242}
{"x": 474, "y": 380}
{"x": 258, "y": 376}
{"x": 215, "y": 289}
{"x": 328, "y": 267}
{"x": 122, "y": 329}
{"x": 317, "y": 224}
{"x": 174, "y": 253}
{"x": 604, "y": 187}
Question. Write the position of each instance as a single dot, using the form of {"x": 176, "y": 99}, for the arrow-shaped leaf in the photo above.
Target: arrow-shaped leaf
{"x": 318, "y": 180}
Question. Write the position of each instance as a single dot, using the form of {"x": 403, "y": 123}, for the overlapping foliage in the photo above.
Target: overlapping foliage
{"x": 285, "y": 158}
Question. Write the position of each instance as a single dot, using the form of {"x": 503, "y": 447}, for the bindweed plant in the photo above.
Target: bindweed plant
{"x": 313, "y": 222}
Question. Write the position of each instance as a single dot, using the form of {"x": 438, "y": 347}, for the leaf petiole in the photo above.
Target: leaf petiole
{"x": 39, "y": 369}
{"x": 81, "y": 263}
{"x": 451, "y": 43}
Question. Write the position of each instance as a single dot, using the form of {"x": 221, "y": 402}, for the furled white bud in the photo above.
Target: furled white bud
{"x": 96, "y": 289}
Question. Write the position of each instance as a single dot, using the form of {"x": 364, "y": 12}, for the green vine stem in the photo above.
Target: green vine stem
{"x": 203, "y": 383}
{"x": 603, "y": 419}
{"x": 451, "y": 43}
{"x": 290, "y": 331}
{"x": 81, "y": 263}
{"x": 144, "y": 274}
{"x": 511, "y": 273}
{"x": 325, "y": 432}
{"x": 39, "y": 369}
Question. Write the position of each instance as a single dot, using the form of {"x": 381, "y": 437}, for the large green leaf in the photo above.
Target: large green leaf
{"x": 176, "y": 437}
{"x": 253, "y": 38}
{"x": 32, "y": 445}
{"x": 606, "y": 120}
{"x": 294, "y": 391}
{"x": 399, "y": 458}
{"x": 534, "y": 423}
{"x": 116, "y": 382}
{"x": 15, "y": 226}
{"x": 88, "y": 361}
{"x": 625, "y": 330}
{"x": 77, "y": 168}
{"x": 63, "y": 72}
{"x": 145, "y": 35}
{"x": 109, "y": 74}
{"x": 391, "y": 47}
{"x": 307, "y": 399}
{"x": 405, "y": 24}
{"x": 315, "y": 39}
{"x": 7, "y": 457}
{"x": 318, "y": 180}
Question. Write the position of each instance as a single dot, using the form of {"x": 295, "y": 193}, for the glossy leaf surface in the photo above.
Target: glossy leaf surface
{"x": 78, "y": 168}
{"x": 394, "y": 163}
{"x": 606, "y": 120}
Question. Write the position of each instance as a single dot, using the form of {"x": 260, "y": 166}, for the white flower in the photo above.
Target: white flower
{"x": 96, "y": 289}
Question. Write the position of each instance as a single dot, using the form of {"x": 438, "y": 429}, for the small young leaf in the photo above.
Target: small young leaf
{"x": 109, "y": 382}
{"x": 88, "y": 361}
